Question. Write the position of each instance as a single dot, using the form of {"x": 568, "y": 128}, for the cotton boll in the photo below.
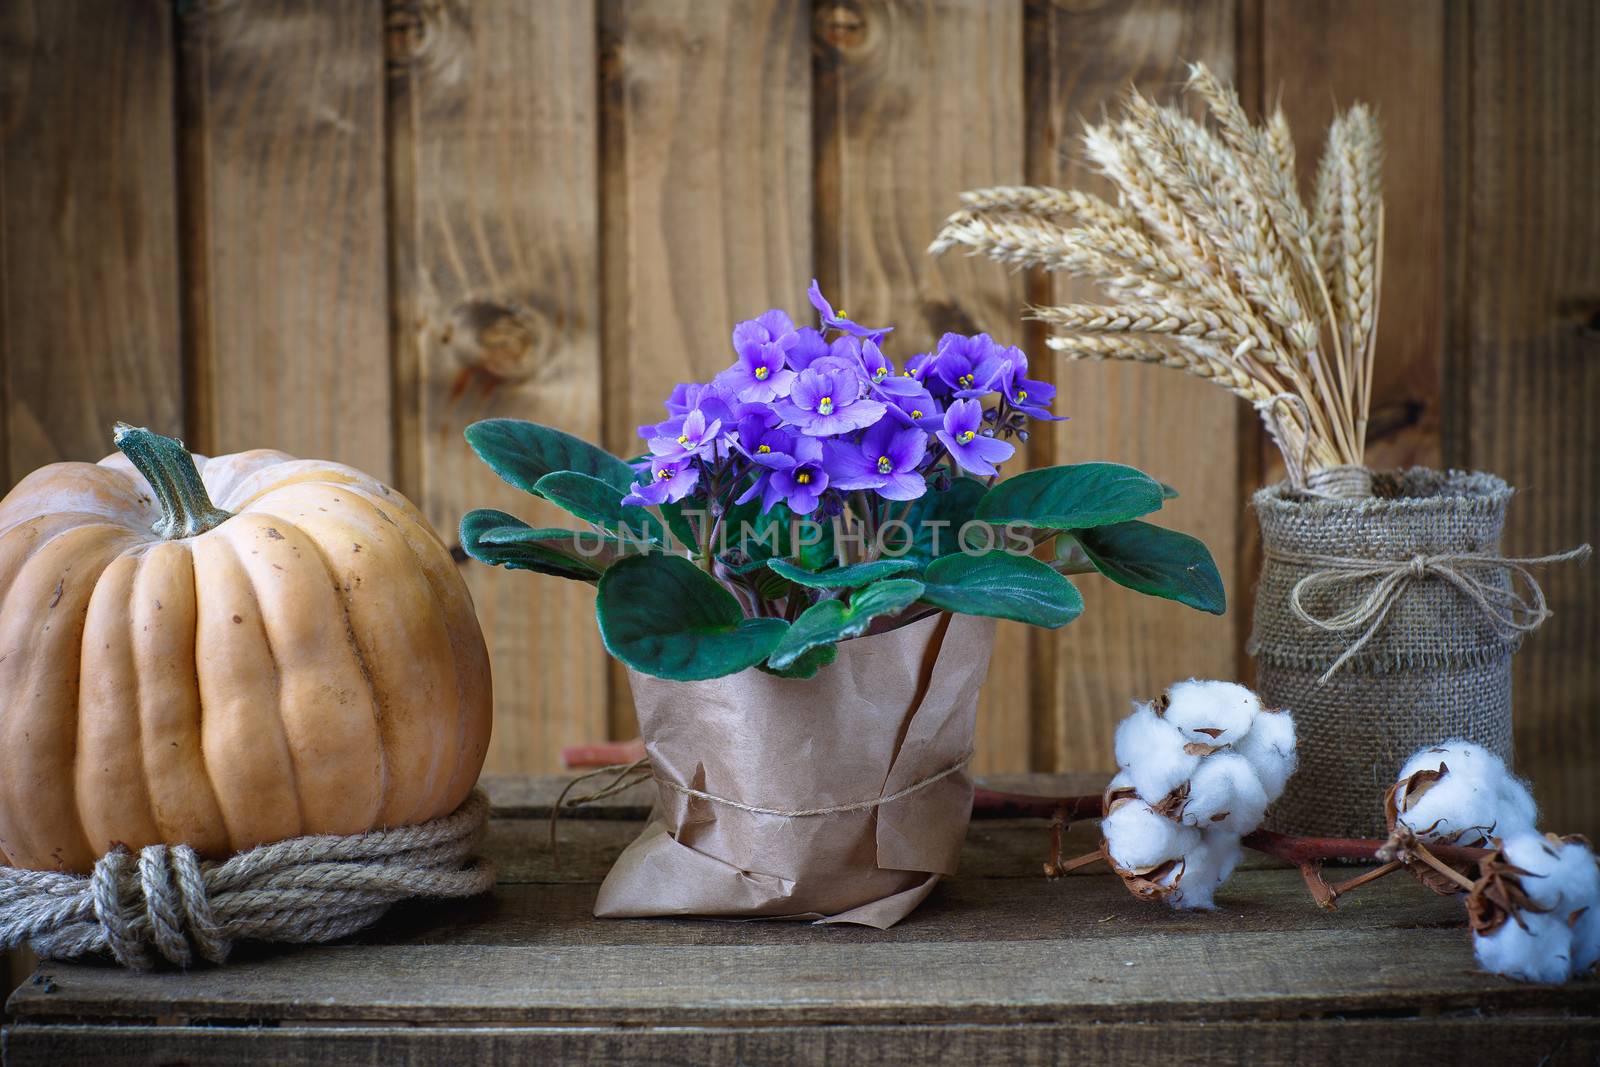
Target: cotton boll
{"x": 1541, "y": 858}
{"x": 1139, "y": 839}
{"x": 1212, "y": 713}
{"x": 1534, "y": 911}
{"x": 1538, "y": 949}
{"x": 1269, "y": 746}
{"x": 1517, "y": 808}
{"x": 1565, "y": 880}
{"x": 1579, "y": 875}
{"x": 1150, "y": 750}
{"x": 1205, "y": 868}
{"x": 1474, "y": 798}
{"x": 1225, "y": 794}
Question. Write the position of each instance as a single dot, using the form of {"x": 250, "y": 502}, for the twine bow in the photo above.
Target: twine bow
{"x": 1509, "y": 612}
{"x": 305, "y": 889}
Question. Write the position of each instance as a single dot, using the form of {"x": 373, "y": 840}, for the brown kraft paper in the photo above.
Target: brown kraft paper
{"x": 892, "y": 718}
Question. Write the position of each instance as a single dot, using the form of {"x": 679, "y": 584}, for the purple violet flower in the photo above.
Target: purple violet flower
{"x": 1027, "y": 395}
{"x": 837, "y": 321}
{"x": 801, "y": 485}
{"x": 771, "y": 449}
{"x": 911, "y": 407}
{"x": 875, "y": 363}
{"x": 696, "y": 437}
{"x": 827, "y": 402}
{"x": 963, "y": 435}
{"x": 885, "y": 460}
{"x": 670, "y": 481}
{"x": 709, "y": 399}
{"x": 919, "y": 365}
{"x": 759, "y": 375}
{"x": 970, "y": 366}
{"x": 809, "y": 346}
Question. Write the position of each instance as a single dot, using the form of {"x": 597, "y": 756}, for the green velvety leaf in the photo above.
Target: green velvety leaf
{"x": 1168, "y": 492}
{"x": 1004, "y": 586}
{"x": 663, "y": 616}
{"x": 1072, "y": 497}
{"x": 502, "y": 540}
{"x": 595, "y": 501}
{"x": 830, "y": 621}
{"x": 683, "y": 531}
{"x": 1156, "y": 561}
{"x": 808, "y": 664}
{"x": 935, "y": 522}
{"x": 523, "y": 452}
{"x": 850, "y": 577}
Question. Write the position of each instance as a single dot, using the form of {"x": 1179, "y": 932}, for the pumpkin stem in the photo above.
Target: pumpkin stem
{"x": 166, "y": 464}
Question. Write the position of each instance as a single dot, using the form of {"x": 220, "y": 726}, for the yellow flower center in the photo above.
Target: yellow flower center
{"x": 879, "y": 374}
{"x": 665, "y": 472}
{"x": 1022, "y": 394}
{"x": 761, "y": 374}
{"x": 916, "y": 413}
{"x": 966, "y": 436}
{"x": 683, "y": 438}
{"x": 905, "y": 374}
{"x": 965, "y": 381}
{"x": 825, "y": 406}
{"x": 804, "y": 478}
{"x": 763, "y": 449}
{"x": 884, "y": 466}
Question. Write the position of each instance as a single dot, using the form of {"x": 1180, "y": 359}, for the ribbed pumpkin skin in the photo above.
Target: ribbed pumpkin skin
{"x": 311, "y": 665}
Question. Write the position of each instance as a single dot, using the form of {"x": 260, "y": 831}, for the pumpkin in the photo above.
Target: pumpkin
{"x": 226, "y": 652}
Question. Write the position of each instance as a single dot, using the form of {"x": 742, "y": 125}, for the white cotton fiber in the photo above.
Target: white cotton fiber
{"x": 1269, "y": 746}
{"x": 1139, "y": 839}
{"x": 1150, "y": 750}
{"x": 1561, "y": 941}
{"x": 1248, "y": 756}
{"x": 1225, "y": 794}
{"x": 1537, "y": 950}
{"x": 1205, "y": 868}
{"x": 1212, "y": 713}
{"x": 1475, "y": 800}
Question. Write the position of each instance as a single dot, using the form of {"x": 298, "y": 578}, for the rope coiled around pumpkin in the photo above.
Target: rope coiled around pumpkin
{"x": 301, "y": 890}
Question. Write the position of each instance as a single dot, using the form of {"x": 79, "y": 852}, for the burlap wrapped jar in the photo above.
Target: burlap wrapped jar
{"x": 1414, "y": 571}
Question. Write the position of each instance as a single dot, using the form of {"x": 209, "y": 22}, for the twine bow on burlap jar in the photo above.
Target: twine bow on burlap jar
{"x": 166, "y": 901}
{"x": 1387, "y": 622}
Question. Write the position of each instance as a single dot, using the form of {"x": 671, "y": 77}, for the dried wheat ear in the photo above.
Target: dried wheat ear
{"x": 1214, "y": 264}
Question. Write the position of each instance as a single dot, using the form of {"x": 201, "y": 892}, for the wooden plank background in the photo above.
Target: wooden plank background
{"x": 349, "y": 229}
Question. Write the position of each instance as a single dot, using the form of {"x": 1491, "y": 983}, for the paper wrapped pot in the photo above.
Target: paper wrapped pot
{"x": 891, "y": 718}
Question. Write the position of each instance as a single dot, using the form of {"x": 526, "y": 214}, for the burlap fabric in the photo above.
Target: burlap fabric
{"x": 1435, "y": 667}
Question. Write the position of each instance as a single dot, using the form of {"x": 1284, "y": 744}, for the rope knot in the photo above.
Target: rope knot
{"x": 166, "y": 901}
{"x": 1510, "y": 612}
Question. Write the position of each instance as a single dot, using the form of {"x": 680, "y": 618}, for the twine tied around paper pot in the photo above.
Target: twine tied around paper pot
{"x": 627, "y": 775}
{"x": 1509, "y": 612}
{"x": 301, "y": 890}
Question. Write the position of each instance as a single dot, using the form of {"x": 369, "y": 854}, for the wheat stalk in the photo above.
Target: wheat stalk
{"x": 1214, "y": 262}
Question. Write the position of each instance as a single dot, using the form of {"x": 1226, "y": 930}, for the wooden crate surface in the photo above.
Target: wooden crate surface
{"x": 998, "y": 965}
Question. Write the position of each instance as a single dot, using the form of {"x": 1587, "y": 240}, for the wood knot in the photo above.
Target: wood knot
{"x": 430, "y": 36}
{"x": 841, "y": 26}
{"x": 497, "y": 339}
